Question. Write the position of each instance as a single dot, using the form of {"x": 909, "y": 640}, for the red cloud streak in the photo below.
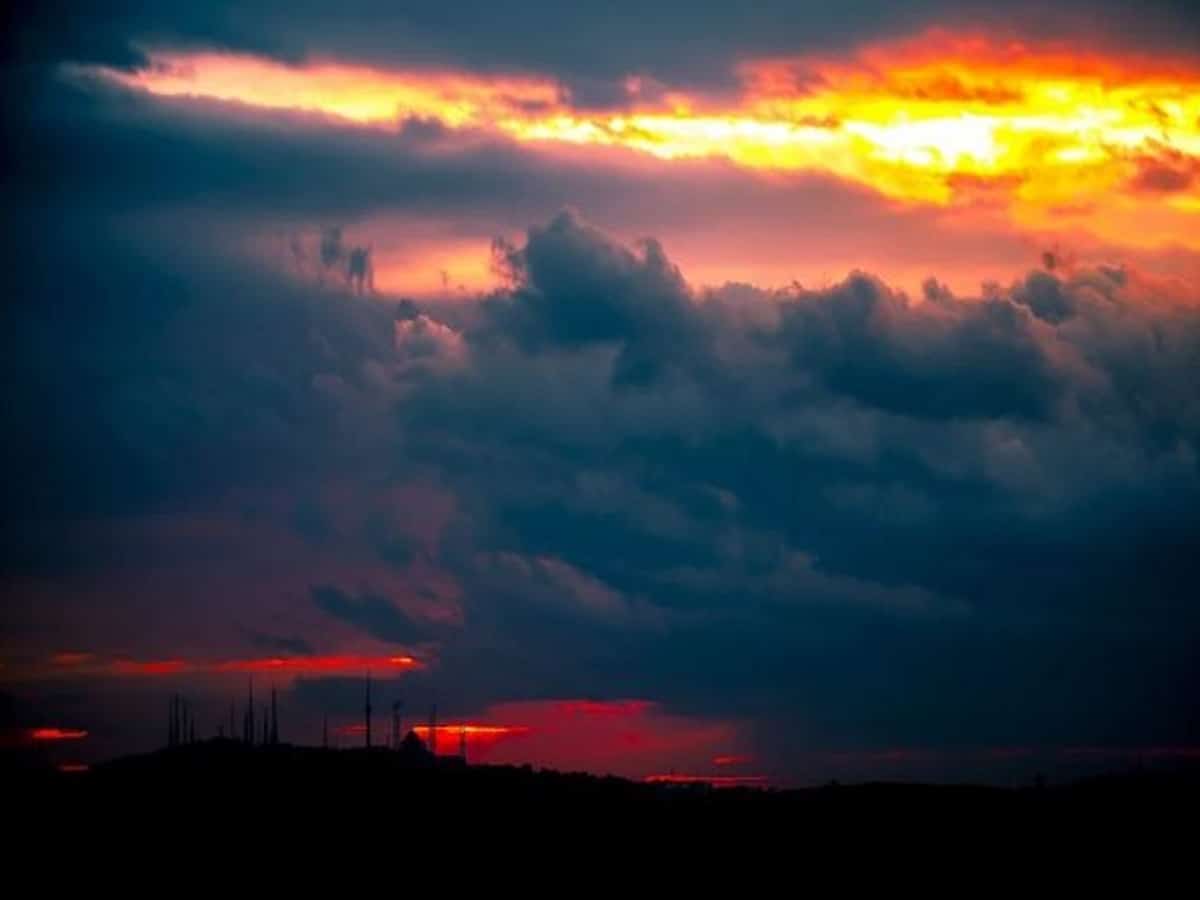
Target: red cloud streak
{"x": 58, "y": 734}
{"x": 303, "y": 664}
{"x": 286, "y": 665}
{"x": 149, "y": 667}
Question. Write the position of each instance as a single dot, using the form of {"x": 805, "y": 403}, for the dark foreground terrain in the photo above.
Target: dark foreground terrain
{"x": 297, "y": 786}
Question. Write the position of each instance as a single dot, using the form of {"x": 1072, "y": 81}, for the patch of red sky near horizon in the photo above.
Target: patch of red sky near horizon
{"x": 57, "y": 734}
{"x": 153, "y": 667}
{"x": 73, "y": 768}
{"x": 629, "y": 737}
{"x": 716, "y": 781}
{"x": 480, "y": 737}
{"x": 604, "y": 708}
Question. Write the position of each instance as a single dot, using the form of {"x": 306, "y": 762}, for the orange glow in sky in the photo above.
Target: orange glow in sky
{"x": 355, "y": 93}
{"x": 58, "y": 734}
{"x": 944, "y": 120}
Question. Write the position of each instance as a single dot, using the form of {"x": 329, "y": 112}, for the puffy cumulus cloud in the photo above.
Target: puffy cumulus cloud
{"x": 932, "y": 359}
{"x": 424, "y": 344}
{"x": 574, "y": 288}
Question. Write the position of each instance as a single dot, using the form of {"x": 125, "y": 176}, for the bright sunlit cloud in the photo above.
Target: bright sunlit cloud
{"x": 950, "y": 121}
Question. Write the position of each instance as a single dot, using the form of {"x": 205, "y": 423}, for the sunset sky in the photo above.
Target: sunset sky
{"x": 774, "y": 392}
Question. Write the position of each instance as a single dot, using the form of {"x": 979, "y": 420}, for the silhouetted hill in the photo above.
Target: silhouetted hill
{"x": 225, "y": 779}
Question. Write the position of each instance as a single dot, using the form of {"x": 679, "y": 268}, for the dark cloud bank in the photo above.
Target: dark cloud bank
{"x": 850, "y": 518}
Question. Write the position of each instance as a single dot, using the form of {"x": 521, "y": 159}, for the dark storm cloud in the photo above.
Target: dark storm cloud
{"x": 154, "y": 396}
{"x": 750, "y": 532}
{"x": 939, "y": 359}
{"x": 143, "y": 152}
{"x": 574, "y": 288}
{"x": 970, "y": 425}
{"x": 147, "y": 153}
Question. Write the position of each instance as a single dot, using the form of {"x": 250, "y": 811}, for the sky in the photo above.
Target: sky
{"x": 668, "y": 389}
